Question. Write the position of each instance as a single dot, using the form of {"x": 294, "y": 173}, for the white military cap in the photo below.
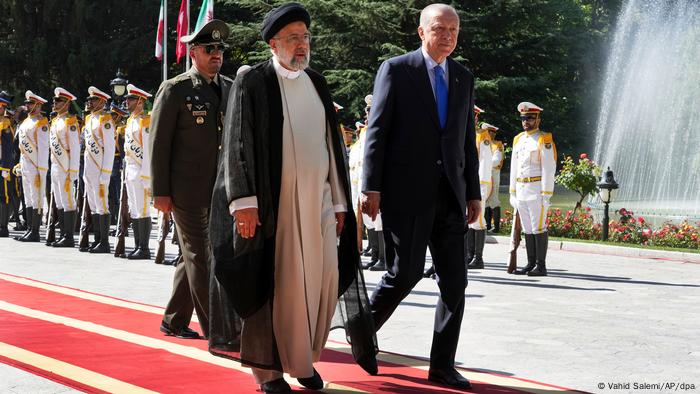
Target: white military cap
{"x": 95, "y": 92}
{"x": 528, "y": 108}
{"x": 478, "y": 110}
{"x": 60, "y": 92}
{"x": 133, "y": 91}
{"x": 487, "y": 126}
{"x": 30, "y": 96}
{"x": 368, "y": 100}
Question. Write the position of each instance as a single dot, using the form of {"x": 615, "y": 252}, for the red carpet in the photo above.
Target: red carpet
{"x": 101, "y": 344}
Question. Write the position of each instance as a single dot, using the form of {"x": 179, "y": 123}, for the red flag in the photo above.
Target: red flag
{"x": 183, "y": 24}
{"x": 159, "y": 36}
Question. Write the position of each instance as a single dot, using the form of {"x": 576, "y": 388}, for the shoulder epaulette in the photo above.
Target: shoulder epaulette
{"x": 517, "y": 137}
{"x": 482, "y": 136}
{"x": 42, "y": 122}
{"x": 546, "y": 138}
{"x": 105, "y": 118}
{"x": 72, "y": 120}
{"x": 145, "y": 121}
{"x": 226, "y": 78}
{"x": 4, "y": 124}
{"x": 181, "y": 77}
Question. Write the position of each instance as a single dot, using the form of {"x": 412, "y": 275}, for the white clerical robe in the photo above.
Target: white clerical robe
{"x": 306, "y": 256}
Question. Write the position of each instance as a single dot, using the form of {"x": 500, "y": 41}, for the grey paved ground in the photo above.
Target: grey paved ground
{"x": 595, "y": 319}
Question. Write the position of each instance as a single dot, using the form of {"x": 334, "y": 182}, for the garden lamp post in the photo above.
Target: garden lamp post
{"x": 118, "y": 86}
{"x": 608, "y": 187}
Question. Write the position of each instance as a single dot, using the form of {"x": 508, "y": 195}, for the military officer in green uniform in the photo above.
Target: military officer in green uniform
{"x": 186, "y": 126}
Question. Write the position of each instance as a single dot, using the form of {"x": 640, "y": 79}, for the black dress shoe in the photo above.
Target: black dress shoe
{"x": 185, "y": 333}
{"x": 313, "y": 383}
{"x": 449, "y": 377}
{"x": 276, "y": 386}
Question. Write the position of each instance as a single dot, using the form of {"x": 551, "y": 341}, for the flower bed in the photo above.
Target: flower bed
{"x": 629, "y": 229}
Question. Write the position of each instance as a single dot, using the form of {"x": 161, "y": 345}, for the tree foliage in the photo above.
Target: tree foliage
{"x": 550, "y": 52}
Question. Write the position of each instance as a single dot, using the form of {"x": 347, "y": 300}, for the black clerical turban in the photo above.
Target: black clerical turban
{"x": 279, "y": 17}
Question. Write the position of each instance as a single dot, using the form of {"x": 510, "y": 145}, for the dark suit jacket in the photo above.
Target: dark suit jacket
{"x": 405, "y": 147}
{"x": 184, "y": 151}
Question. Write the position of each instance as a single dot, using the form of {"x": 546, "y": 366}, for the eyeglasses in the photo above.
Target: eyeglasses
{"x": 528, "y": 117}
{"x": 296, "y": 38}
{"x": 210, "y": 48}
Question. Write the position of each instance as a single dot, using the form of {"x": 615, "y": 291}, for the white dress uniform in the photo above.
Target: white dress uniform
{"x": 99, "y": 157}
{"x": 497, "y": 162}
{"x": 532, "y": 172}
{"x": 483, "y": 147}
{"x": 65, "y": 159}
{"x": 33, "y": 136}
{"x": 138, "y": 165}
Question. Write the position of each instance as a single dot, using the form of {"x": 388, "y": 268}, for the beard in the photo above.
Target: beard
{"x": 291, "y": 60}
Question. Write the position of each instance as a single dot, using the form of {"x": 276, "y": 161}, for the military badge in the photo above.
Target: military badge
{"x": 199, "y": 113}
{"x": 44, "y": 128}
{"x": 216, "y": 34}
{"x": 73, "y": 128}
{"x": 107, "y": 126}
{"x": 189, "y": 106}
{"x": 145, "y": 130}
{"x": 200, "y": 120}
{"x": 548, "y": 145}
{"x": 487, "y": 143}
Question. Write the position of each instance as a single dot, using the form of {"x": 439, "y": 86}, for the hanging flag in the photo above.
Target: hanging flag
{"x": 183, "y": 25}
{"x": 159, "y": 36}
{"x": 206, "y": 14}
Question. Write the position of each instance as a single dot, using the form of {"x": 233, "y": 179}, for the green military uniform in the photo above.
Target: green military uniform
{"x": 186, "y": 126}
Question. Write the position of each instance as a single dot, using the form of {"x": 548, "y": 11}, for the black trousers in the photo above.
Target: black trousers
{"x": 191, "y": 281}
{"x": 406, "y": 239}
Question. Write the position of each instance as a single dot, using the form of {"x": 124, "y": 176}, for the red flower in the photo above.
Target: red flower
{"x": 583, "y": 156}
{"x": 641, "y": 220}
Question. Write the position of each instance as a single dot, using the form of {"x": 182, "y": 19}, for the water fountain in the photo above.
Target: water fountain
{"x": 649, "y": 124}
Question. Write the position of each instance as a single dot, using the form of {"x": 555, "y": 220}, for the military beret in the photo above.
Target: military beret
{"x": 213, "y": 32}
{"x": 279, "y": 17}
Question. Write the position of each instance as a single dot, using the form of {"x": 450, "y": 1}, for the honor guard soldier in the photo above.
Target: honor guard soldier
{"x": 138, "y": 171}
{"x": 119, "y": 115}
{"x": 532, "y": 169}
{"x": 6, "y": 163}
{"x": 33, "y": 136}
{"x": 493, "y": 203}
{"x": 476, "y": 234}
{"x": 99, "y": 156}
{"x": 64, "y": 141}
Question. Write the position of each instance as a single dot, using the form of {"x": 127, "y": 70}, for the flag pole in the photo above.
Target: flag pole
{"x": 187, "y": 54}
{"x": 165, "y": 40}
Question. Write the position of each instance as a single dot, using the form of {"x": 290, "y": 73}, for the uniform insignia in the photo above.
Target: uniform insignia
{"x": 200, "y": 120}
{"x": 196, "y": 98}
{"x": 486, "y": 143}
{"x": 189, "y": 106}
{"x": 72, "y": 128}
{"x": 107, "y": 126}
{"x": 216, "y": 34}
{"x": 145, "y": 130}
{"x": 199, "y": 107}
{"x": 44, "y": 128}
{"x": 188, "y": 98}
{"x": 199, "y": 113}
{"x": 548, "y": 145}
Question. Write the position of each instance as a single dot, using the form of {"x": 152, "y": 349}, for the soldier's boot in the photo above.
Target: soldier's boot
{"x": 29, "y": 214}
{"x": 381, "y": 260}
{"x": 478, "y": 260}
{"x": 20, "y": 223}
{"x": 469, "y": 246}
{"x": 530, "y": 248}
{"x": 429, "y": 272}
{"x": 488, "y": 214}
{"x": 497, "y": 219}
{"x": 137, "y": 233}
{"x": 58, "y": 224}
{"x": 68, "y": 239}
{"x": 142, "y": 253}
{"x": 541, "y": 242}
{"x": 95, "y": 219}
{"x": 103, "y": 246}
{"x": 34, "y": 235}
{"x": 4, "y": 219}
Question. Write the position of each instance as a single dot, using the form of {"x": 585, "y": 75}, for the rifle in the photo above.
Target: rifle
{"x": 122, "y": 219}
{"x": 514, "y": 242}
{"x": 51, "y": 221}
{"x": 358, "y": 220}
{"x": 85, "y": 225}
{"x": 163, "y": 230}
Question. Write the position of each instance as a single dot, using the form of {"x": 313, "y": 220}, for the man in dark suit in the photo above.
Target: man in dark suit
{"x": 186, "y": 125}
{"x": 420, "y": 169}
